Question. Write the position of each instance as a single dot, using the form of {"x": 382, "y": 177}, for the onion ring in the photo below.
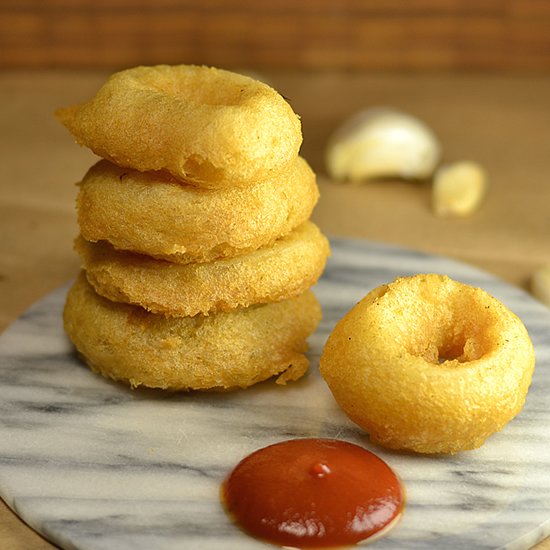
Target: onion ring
{"x": 218, "y": 352}
{"x": 150, "y": 213}
{"x": 206, "y": 126}
{"x": 429, "y": 364}
{"x": 283, "y": 270}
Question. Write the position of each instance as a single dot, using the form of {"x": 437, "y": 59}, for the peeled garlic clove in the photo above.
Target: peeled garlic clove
{"x": 540, "y": 284}
{"x": 458, "y": 189}
{"x": 382, "y": 143}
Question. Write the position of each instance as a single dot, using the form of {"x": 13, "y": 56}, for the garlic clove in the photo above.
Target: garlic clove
{"x": 458, "y": 189}
{"x": 540, "y": 284}
{"x": 382, "y": 143}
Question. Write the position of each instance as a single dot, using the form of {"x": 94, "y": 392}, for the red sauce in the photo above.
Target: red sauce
{"x": 313, "y": 493}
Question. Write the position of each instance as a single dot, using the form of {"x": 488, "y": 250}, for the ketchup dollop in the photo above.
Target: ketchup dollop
{"x": 313, "y": 493}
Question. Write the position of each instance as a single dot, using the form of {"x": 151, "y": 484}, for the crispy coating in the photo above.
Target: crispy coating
{"x": 429, "y": 364}
{"x": 283, "y": 270}
{"x": 151, "y": 213}
{"x": 206, "y": 126}
{"x": 218, "y": 352}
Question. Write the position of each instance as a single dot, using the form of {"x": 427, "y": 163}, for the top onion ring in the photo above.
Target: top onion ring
{"x": 209, "y": 127}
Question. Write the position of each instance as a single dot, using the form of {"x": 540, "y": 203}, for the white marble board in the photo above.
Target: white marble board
{"x": 91, "y": 464}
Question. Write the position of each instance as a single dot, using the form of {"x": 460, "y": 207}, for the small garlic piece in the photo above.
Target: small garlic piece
{"x": 382, "y": 143}
{"x": 458, "y": 189}
{"x": 540, "y": 284}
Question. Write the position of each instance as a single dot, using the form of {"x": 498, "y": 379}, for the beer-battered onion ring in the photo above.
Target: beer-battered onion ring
{"x": 429, "y": 364}
{"x": 206, "y": 126}
{"x": 151, "y": 213}
{"x": 218, "y": 352}
{"x": 283, "y": 270}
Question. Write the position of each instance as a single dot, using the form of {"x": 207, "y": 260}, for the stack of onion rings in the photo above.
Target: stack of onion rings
{"x": 196, "y": 248}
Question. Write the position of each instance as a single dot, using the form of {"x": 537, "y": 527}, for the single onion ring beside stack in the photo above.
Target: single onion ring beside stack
{"x": 217, "y": 352}
{"x": 206, "y": 126}
{"x": 151, "y": 213}
{"x": 429, "y": 364}
{"x": 283, "y": 270}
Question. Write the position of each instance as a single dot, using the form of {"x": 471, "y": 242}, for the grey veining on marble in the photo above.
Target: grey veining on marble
{"x": 91, "y": 464}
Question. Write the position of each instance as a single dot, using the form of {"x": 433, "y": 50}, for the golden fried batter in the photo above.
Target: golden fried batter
{"x": 285, "y": 269}
{"x": 152, "y": 214}
{"x": 429, "y": 364}
{"x": 223, "y": 351}
{"x": 206, "y": 126}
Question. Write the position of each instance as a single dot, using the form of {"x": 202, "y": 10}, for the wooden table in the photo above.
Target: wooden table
{"x": 500, "y": 121}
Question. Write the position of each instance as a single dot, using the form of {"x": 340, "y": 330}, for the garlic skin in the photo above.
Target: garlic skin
{"x": 382, "y": 143}
{"x": 540, "y": 284}
{"x": 458, "y": 189}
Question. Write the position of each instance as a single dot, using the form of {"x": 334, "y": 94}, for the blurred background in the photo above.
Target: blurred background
{"x": 286, "y": 34}
{"x": 477, "y": 72}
